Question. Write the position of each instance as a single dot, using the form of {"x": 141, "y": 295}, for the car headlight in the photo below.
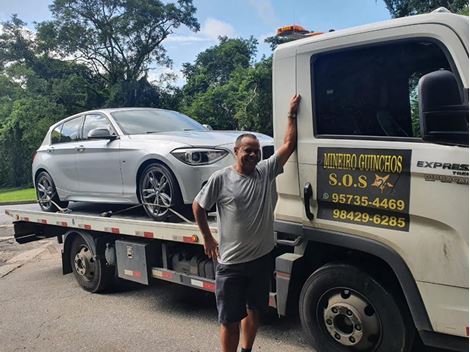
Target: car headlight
{"x": 199, "y": 156}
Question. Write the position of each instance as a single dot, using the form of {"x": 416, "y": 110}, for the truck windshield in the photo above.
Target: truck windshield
{"x": 142, "y": 121}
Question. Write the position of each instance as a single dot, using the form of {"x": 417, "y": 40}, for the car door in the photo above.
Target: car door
{"x": 98, "y": 162}
{"x": 62, "y": 157}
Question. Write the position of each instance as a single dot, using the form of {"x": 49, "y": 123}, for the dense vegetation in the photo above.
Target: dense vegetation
{"x": 97, "y": 53}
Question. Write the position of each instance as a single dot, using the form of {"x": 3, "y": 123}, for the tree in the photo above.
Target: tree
{"x": 215, "y": 65}
{"x": 117, "y": 39}
{"x": 401, "y": 8}
{"x": 211, "y": 90}
{"x": 21, "y": 133}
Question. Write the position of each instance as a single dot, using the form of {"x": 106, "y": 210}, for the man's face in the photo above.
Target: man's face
{"x": 248, "y": 154}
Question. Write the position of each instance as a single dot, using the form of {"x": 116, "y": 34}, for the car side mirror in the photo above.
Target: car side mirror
{"x": 101, "y": 133}
{"x": 208, "y": 127}
{"x": 443, "y": 112}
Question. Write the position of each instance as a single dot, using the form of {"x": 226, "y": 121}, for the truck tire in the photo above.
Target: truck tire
{"x": 344, "y": 309}
{"x": 90, "y": 270}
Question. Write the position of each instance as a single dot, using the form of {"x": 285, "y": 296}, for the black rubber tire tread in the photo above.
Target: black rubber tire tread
{"x": 55, "y": 198}
{"x": 104, "y": 274}
{"x": 397, "y": 330}
{"x": 177, "y": 200}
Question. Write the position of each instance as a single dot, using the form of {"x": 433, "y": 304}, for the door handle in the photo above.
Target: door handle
{"x": 307, "y": 195}
{"x": 80, "y": 148}
{"x": 50, "y": 150}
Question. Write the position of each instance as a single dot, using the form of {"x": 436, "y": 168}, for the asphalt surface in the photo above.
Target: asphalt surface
{"x": 42, "y": 310}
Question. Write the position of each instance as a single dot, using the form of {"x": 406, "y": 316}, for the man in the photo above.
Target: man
{"x": 245, "y": 200}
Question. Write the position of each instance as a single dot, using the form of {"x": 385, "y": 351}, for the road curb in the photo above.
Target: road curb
{"x": 18, "y": 202}
{"x": 21, "y": 259}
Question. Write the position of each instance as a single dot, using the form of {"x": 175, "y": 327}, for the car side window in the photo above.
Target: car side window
{"x": 95, "y": 121}
{"x": 372, "y": 91}
{"x": 56, "y": 134}
{"x": 71, "y": 130}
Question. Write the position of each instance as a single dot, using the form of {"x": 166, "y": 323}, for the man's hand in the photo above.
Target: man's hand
{"x": 294, "y": 105}
{"x": 211, "y": 247}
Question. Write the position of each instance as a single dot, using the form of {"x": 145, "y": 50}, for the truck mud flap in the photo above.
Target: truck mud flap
{"x": 29, "y": 231}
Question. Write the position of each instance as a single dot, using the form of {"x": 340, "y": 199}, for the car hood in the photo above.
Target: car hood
{"x": 200, "y": 138}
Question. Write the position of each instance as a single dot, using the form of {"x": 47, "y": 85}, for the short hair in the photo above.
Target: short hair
{"x": 243, "y": 135}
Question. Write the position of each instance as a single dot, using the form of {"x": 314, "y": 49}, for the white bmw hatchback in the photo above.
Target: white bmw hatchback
{"x": 158, "y": 158}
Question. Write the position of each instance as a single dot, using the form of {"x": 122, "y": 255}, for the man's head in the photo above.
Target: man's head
{"x": 248, "y": 153}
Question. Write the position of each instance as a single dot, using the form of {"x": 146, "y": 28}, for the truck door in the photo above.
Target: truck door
{"x": 360, "y": 147}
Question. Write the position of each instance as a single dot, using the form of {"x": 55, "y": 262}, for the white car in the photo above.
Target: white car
{"x": 159, "y": 158}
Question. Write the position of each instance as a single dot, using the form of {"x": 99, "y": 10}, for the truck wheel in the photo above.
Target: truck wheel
{"x": 46, "y": 191}
{"x": 90, "y": 270}
{"x": 344, "y": 309}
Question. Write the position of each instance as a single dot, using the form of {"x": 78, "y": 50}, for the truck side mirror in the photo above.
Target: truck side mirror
{"x": 443, "y": 113}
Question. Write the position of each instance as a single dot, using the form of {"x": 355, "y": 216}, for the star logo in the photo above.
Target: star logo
{"x": 382, "y": 182}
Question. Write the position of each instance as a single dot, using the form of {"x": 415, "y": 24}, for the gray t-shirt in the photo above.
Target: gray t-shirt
{"x": 245, "y": 208}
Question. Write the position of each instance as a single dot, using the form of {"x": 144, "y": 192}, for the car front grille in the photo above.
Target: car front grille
{"x": 268, "y": 150}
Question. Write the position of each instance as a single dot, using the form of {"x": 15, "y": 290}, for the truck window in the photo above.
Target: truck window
{"x": 372, "y": 91}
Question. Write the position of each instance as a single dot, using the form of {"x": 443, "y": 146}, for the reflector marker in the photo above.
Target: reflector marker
{"x": 209, "y": 286}
{"x": 137, "y": 274}
{"x": 114, "y": 230}
{"x": 62, "y": 223}
{"x": 163, "y": 274}
{"x": 282, "y": 275}
{"x": 466, "y": 330}
{"x": 84, "y": 226}
{"x": 42, "y": 221}
{"x": 146, "y": 234}
{"x": 197, "y": 283}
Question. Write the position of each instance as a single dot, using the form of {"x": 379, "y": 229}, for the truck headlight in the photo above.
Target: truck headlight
{"x": 199, "y": 156}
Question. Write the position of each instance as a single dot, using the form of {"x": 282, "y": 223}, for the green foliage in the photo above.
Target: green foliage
{"x": 116, "y": 39}
{"x": 14, "y": 195}
{"x": 225, "y": 90}
{"x": 21, "y": 133}
{"x": 401, "y": 8}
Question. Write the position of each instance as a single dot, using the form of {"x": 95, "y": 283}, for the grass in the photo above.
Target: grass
{"x": 17, "y": 194}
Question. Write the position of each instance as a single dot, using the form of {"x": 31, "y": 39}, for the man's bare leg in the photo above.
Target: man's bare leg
{"x": 229, "y": 336}
{"x": 249, "y": 326}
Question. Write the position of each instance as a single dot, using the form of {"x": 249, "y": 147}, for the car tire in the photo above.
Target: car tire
{"x": 46, "y": 191}
{"x": 89, "y": 267}
{"x": 157, "y": 185}
{"x": 344, "y": 309}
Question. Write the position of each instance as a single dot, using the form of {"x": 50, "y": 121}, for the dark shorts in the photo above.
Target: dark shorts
{"x": 242, "y": 286}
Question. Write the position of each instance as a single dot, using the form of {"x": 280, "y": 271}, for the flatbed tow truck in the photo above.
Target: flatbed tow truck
{"x": 371, "y": 222}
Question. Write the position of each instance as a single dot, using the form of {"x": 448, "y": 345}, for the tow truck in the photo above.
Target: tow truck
{"x": 371, "y": 223}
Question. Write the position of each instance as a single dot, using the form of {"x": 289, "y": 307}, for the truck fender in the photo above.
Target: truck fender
{"x": 380, "y": 250}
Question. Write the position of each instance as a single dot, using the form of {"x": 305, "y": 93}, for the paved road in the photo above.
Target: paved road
{"x": 42, "y": 310}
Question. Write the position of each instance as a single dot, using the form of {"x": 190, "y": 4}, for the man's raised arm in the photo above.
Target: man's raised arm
{"x": 290, "y": 138}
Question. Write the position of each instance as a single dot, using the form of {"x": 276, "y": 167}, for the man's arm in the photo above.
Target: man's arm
{"x": 211, "y": 247}
{"x": 290, "y": 138}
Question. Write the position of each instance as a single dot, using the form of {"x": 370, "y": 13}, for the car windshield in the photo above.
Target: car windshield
{"x": 154, "y": 121}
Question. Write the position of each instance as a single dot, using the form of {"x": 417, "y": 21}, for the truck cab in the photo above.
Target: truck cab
{"x": 374, "y": 202}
